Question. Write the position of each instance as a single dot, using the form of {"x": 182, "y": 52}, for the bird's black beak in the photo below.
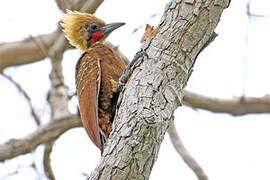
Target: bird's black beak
{"x": 110, "y": 27}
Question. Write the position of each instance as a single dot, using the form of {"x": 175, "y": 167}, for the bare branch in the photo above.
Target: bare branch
{"x": 47, "y": 160}
{"x": 57, "y": 98}
{"x": 183, "y": 152}
{"x": 31, "y": 50}
{"x": 250, "y": 14}
{"x": 44, "y": 134}
{"x": 41, "y": 45}
{"x": 26, "y": 51}
{"x": 91, "y": 6}
{"x": 78, "y": 5}
{"x": 236, "y": 106}
{"x": 27, "y": 97}
{"x": 51, "y": 45}
{"x": 63, "y": 4}
{"x": 58, "y": 95}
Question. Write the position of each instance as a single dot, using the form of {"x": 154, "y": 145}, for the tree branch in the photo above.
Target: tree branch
{"x": 43, "y": 134}
{"x": 47, "y": 160}
{"x": 31, "y": 50}
{"x": 63, "y": 4}
{"x": 26, "y": 51}
{"x": 155, "y": 89}
{"x": 57, "y": 98}
{"x": 183, "y": 152}
{"x": 27, "y": 97}
{"x": 250, "y": 14}
{"x": 236, "y": 106}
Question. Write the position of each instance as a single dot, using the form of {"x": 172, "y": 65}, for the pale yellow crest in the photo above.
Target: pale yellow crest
{"x": 74, "y": 25}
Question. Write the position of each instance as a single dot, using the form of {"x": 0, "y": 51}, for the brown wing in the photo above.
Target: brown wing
{"x": 112, "y": 67}
{"x": 97, "y": 74}
{"x": 88, "y": 77}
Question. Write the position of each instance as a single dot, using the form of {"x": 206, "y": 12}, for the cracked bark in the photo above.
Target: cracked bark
{"x": 155, "y": 89}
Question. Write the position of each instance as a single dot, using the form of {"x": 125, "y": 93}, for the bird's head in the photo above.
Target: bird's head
{"x": 83, "y": 29}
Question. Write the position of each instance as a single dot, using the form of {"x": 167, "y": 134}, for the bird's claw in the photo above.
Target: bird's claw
{"x": 127, "y": 72}
{"x": 140, "y": 54}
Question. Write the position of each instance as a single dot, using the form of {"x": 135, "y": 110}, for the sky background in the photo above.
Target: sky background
{"x": 235, "y": 64}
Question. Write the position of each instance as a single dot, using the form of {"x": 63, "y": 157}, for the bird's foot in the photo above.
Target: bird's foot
{"x": 129, "y": 68}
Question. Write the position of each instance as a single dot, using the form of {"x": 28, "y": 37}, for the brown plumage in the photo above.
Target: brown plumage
{"x": 97, "y": 72}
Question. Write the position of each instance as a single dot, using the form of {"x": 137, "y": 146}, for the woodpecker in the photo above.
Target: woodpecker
{"x": 97, "y": 72}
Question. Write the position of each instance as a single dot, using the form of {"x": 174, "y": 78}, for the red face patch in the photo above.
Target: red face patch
{"x": 96, "y": 36}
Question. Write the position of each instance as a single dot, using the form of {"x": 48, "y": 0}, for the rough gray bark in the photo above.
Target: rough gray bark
{"x": 155, "y": 89}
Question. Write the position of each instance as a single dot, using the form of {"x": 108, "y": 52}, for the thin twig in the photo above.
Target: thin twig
{"x": 47, "y": 161}
{"x": 26, "y": 96}
{"x": 185, "y": 155}
{"x": 250, "y": 14}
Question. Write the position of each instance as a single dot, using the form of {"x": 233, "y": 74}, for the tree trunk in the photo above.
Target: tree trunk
{"x": 155, "y": 88}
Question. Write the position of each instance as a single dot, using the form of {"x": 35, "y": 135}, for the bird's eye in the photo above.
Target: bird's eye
{"x": 93, "y": 27}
